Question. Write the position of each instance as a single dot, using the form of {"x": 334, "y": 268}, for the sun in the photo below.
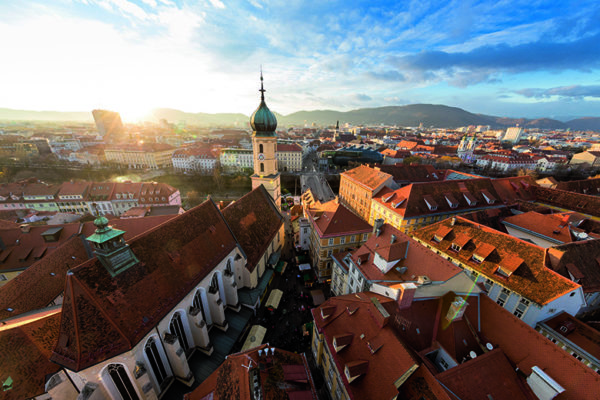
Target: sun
{"x": 133, "y": 113}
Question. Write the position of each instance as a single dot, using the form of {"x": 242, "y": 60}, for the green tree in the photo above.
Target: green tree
{"x": 412, "y": 160}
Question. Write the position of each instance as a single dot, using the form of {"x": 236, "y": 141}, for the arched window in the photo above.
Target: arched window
{"x": 198, "y": 304}
{"x": 214, "y": 285}
{"x": 228, "y": 269}
{"x": 156, "y": 363}
{"x": 178, "y": 330}
{"x": 262, "y": 167}
{"x": 121, "y": 382}
{"x": 260, "y": 147}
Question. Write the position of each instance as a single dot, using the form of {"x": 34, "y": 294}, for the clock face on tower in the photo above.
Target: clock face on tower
{"x": 261, "y": 157}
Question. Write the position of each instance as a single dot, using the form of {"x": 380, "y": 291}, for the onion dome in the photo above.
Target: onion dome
{"x": 101, "y": 224}
{"x": 263, "y": 121}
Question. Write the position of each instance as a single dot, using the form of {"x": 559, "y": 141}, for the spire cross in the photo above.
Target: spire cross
{"x": 262, "y": 89}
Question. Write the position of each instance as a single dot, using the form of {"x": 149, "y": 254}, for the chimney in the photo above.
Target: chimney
{"x": 456, "y": 309}
{"x": 25, "y": 228}
{"x": 377, "y": 226}
{"x": 406, "y": 294}
{"x": 393, "y": 239}
{"x": 453, "y": 221}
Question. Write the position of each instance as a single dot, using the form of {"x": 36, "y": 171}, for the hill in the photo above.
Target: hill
{"x": 430, "y": 115}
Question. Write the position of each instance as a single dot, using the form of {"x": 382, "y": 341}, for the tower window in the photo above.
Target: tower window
{"x": 260, "y": 147}
{"x": 262, "y": 167}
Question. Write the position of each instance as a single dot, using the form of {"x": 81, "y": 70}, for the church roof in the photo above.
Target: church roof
{"x": 254, "y": 220}
{"x": 104, "y": 316}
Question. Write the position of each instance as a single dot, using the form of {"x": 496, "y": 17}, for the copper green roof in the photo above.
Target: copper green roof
{"x": 106, "y": 235}
{"x": 263, "y": 121}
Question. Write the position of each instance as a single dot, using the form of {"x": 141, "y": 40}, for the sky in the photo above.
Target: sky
{"x": 506, "y": 58}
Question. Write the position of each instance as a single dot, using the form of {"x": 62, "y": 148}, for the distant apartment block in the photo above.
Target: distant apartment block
{"x": 513, "y": 134}
{"x": 289, "y": 157}
{"x": 87, "y": 197}
{"x": 233, "y": 160}
{"x": 108, "y": 123}
{"x": 142, "y": 156}
{"x": 199, "y": 160}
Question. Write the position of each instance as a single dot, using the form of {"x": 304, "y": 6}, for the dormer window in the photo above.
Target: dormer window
{"x": 431, "y": 203}
{"x": 488, "y": 196}
{"x": 471, "y": 200}
{"x": 455, "y": 247}
{"x": 118, "y": 196}
{"x": 452, "y": 202}
{"x": 398, "y": 203}
{"x": 388, "y": 197}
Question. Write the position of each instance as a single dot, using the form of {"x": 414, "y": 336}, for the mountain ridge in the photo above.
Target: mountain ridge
{"x": 430, "y": 115}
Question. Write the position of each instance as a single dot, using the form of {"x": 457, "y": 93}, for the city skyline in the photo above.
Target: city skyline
{"x": 513, "y": 59}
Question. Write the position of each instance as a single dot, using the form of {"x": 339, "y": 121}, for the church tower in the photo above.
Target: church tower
{"x": 264, "y": 142}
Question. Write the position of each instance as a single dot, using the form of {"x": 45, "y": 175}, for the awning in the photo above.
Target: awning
{"x": 281, "y": 267}
{"x": 274, "y": 257}
{"x": 274, "y": 298}
{"x": 317, "y": 296}
{"x": 255, "y": 337}
{"x": 304, "y": 267}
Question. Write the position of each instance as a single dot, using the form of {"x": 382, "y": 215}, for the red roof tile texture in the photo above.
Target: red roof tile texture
{"x": 584, "y": 255}
{"x": 333, "y": 219}
{"x": 533, "y": 280}
{"x": 254, "y": 220}
{"x": 104, "y": 316}
{"x": 26, "y": 349}
{"x": 581, "y": 203}
{"x": 552, "y": 226}
{"x": 386, "y": 365}
{"x": 367, "y": 177}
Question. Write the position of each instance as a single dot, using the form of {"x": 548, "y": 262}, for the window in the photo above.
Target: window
{"x": 121, "y": 382}
{"x": 455, "y": 247}
{"x": 352, "y": 238}
{"x": 262, "y": 167}
{"x": 331, "y": 242}
{"x": 260, "y": 148}
{"x": 198, "y": 304}
{"x": 178, "y": 330}
{"x": 3, "y": 277}
{"x": 521, "y": 307}
{"x": 488, "y": 284}
{"x": 156, "y": 363}
{"x": 444, "y": 364}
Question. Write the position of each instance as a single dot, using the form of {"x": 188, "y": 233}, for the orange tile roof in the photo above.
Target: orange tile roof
{"x": 333, "y": 219}
{"x": 581, "y": 203}
{"x": 526, "y": 348}
{"x": 435, "y": 192}
{"x": 26, "y": 349}
{"x": 254, "y": 221}
{"x": 584, "y": 254}
{"x": 419, "y": 260}
{"x": 533, "y": 281}
{"x": 577, "y": 332}
{"x": 367, "y": 177}
{"x": 386, "y": 365}
{"x": 552, "y": 226}
{"x": 104, "y": 316}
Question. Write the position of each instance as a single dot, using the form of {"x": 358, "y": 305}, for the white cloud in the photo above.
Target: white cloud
{"x": 217, "y": 3}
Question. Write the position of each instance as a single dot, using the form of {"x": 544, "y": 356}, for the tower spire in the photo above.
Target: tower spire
{"x": 262, "y": 89}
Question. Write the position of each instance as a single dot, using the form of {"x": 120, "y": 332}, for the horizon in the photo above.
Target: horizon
{"x": 523, "y": 61}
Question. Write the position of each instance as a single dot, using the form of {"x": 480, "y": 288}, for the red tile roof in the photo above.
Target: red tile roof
{"x": 26, "y": 348}
{"x": 367, "y": 177}
{"x": 526, "y": 348}
{"x": 533, "y": 280}
{"x": 386, "y": 365}
{"x": 489, "y": 374}
{"x": 515, "y": 188}
{"x": 333, "y": 219}
{"x": 104, "y": 316}
{"x": 73, "y": 188}
{"x": 284, "y": 374}
{"x": 581, "y": 203}
{"x": 282, "y": 147}
{"x": 254, "y": 220}
{"x": 416, "y": 193}
{"x": 403, "y": 174}
{"x": 577, "y": 332}
{"x": 583, "y": 254}
{"x": 552, "y": 226}
{"x": 419, "y": 260}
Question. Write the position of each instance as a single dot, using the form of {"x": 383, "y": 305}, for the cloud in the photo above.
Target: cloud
{"x": 361, "y": 97}
{"x": 573, "y": 92}
{"x": 217, "y": 3}
{"x": 389, "y": 75}
{"x": 483, "y": 62}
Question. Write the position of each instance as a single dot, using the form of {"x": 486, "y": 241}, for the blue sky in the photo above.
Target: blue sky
{"x": 513, "y": 58}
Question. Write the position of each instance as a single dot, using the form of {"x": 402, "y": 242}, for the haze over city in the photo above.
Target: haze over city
{"x": 516, "y": 59}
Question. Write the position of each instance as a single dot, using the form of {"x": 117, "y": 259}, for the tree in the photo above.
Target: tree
{"x": 412, "y": 160}
{"x": 218, "y": 176}
{"x": 193, "y": 198}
